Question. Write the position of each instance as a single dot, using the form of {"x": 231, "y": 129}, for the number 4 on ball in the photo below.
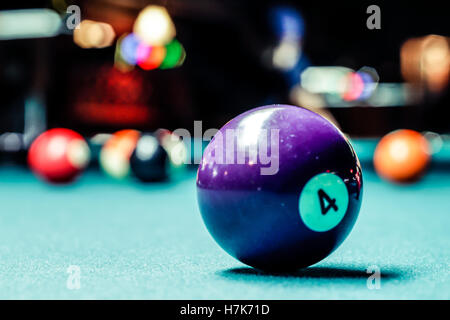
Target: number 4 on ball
{"x": 324, "y": 198}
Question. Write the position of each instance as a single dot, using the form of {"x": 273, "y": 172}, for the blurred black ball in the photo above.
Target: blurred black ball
{"x": 149, "y": 161}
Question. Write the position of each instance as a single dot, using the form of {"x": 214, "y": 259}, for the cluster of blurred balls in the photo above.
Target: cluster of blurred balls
{"x": 148, "y": 156}
{"x": 61, "y": 155}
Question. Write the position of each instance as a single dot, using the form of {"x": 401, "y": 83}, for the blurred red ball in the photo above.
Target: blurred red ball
{"x": 58, "y": 155}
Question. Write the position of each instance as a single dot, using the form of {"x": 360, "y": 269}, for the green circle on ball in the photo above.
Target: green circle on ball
{"x": 323, "y": 202}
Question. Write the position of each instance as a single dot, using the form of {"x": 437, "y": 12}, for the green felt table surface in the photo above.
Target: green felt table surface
{"x": 134, "y": 241}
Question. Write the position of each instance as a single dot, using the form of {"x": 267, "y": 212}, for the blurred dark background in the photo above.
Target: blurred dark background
{"x": 225, "y": 70}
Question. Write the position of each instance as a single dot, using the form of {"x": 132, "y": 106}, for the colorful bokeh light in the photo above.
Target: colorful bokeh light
{"x": 150, "y": 57}
{"x": 154, "y": 26}
{"x": 131, "y": 51}
{"x": 129, "y": 47}
{"x": 354, "y": 87}
{"x": 175, "y": 55}
{"x": 425, "y": 62}
{"x": 287, "y": 22}
{"x": 93, "y": 34}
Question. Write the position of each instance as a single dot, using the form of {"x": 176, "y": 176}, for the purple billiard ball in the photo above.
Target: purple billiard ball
{"x": 279, "y": 187}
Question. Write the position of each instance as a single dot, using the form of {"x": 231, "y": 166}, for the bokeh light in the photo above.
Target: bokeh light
{"x": 131, "y": 51}
{"x": 394, "y": 94}
{"x": 174, "y": 56}
{"x": 287, "y": 23}
{"x": 11, "y": 141}
{"x": 29, "y": 23}
{"x": 425, "y": 62}
{"x": 370, "y": 78}
{"x": 93, "y": 34}
{"x": 288, "y": 27}
{"x": 311, "y": 101}
{"x": 154, "y": 26}
{"x": 129, "y": 48}
{"x": 354, "y": 87}
{"x": 302, "y": 97}
{"x": 436, "y": 62}
{"x": 150, "y": 57}
{"x": 434, "y": 140}
{"x": 119, "y": 61}
{"x": 327, "y": 80}
{"x": 286, "y": 55}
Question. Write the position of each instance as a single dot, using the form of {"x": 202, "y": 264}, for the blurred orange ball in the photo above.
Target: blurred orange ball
{"x": 402, "y": 156}
{"x": 116, "y": 152}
